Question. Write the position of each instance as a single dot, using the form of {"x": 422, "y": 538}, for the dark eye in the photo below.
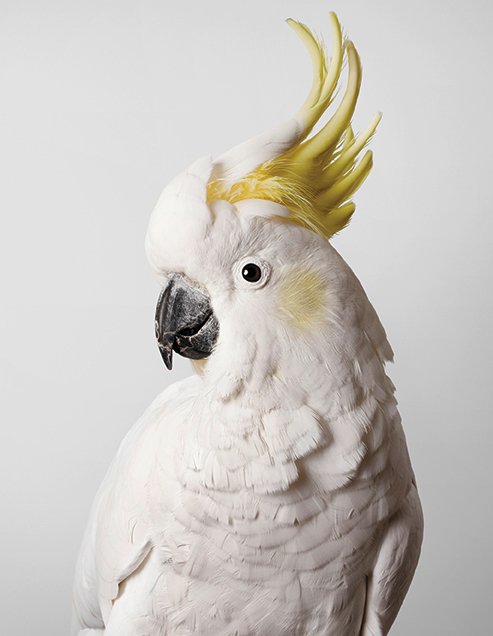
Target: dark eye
{"x": 251, "y": 272}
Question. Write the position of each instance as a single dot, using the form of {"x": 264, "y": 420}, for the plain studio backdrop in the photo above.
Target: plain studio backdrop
{"x": 102, "y": 102}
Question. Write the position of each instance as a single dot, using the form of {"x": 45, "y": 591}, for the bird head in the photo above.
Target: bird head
{"x": 240, "y": 242}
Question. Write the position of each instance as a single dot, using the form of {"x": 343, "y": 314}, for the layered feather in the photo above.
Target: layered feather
{"x": 315, "y": 176}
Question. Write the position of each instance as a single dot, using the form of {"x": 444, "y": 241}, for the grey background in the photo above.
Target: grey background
{"x": 102, "y": 102}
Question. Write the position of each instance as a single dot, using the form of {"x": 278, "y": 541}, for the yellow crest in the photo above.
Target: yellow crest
{"x": 317, "y": 176}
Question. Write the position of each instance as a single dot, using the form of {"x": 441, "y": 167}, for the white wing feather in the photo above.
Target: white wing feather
{"x": 117, "y": 539}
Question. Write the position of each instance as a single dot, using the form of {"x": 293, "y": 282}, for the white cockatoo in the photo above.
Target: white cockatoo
{"x": 272, "y": 492}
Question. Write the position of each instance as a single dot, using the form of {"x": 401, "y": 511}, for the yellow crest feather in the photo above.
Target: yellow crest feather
{"x": 316, "y": 177}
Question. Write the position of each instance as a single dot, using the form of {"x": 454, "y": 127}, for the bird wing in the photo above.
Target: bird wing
{"x": 394, "y": 567}
{"x": 117, "y": 538}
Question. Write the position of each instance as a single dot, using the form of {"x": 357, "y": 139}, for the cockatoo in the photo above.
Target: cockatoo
{"x": 272, "y": 492}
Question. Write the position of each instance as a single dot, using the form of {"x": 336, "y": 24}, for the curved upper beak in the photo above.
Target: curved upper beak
{"x": 185, "y": 322}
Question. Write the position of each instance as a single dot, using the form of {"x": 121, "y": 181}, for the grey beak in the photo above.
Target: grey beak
{"x": 185, "y": 322}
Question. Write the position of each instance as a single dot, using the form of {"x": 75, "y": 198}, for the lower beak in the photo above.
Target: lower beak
{"x": 185, "y": 322}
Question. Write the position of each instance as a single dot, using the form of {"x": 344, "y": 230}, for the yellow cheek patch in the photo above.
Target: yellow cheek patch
{"x": 302, "y": 298}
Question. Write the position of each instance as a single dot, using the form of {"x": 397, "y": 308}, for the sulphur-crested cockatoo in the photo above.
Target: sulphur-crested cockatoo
{"x": 272, "y": 493}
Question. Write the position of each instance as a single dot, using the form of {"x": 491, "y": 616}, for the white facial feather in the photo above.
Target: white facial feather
{"x": 210, "y": 248}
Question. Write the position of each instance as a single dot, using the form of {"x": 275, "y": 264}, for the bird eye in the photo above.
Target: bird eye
{"x": 251, "y": 272}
